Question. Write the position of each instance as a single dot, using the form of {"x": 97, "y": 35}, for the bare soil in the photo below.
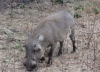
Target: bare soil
{"x": 15, "y": 24}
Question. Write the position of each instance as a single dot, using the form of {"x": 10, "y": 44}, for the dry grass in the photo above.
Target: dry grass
{"x": 15, "y": 25}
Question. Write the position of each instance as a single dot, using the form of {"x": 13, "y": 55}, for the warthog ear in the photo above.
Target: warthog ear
{"x": 41, "y": 38}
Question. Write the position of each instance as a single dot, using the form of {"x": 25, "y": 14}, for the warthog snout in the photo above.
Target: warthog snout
{"x": 30, "y": 65}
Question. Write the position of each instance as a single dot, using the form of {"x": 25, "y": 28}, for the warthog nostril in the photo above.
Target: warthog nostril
{"x": 30, "y": 68}
{"x": 34, "y": 66}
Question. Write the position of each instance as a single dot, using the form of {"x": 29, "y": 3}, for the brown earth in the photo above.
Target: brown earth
{"x": 15, "y": 24}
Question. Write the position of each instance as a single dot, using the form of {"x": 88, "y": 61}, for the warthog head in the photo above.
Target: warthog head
{"x": 34, "y": 52}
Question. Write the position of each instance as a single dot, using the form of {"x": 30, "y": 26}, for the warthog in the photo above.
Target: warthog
{"x": 49, "y": 31}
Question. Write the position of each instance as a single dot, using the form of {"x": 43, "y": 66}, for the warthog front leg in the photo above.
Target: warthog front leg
{"x": 72, "y": 37}
{"x": 51, "y": 54}
{"x": 60, "y": 49}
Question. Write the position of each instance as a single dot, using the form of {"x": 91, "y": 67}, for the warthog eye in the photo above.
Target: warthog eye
{"x": 34, "y": 45}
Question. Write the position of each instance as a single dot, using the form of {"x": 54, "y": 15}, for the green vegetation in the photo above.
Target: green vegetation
{"x": 8, "y": 58}
{"x": 31, "y": 12}
{"x": 66, "y": 69}
{"x": 90, "y": 3}
{"x": 54, "y": 1}
{"x": 79, "y": 8}
{"x": 20, "y": 34}
{"x": 3, "y": 32}
{"x": 57, "y": 2}
{"x": 36, "y": 1}
{"x": 52, "y": 71}
{"x": 9, "y": 35}
{"x": 17, "y": 45}
{"x": 4, "y": 47}
{"x": 58, "y": 45}
{"x": 96, "y": 11}
{"x": 64, "y": 1}
{"x": 7, "y": 18}
{"x": 83, "y": 70}
{"x": 57, "y": 65}
{"x": 17, "y": 55}
{"x": 11, "y": 14}
{"x": 77, "y": 15}
{"x": 8, "y": 24}
{"x": 36, "y": 23}
{"x": 23, "y": 50}
{"x": 22, "y": 6}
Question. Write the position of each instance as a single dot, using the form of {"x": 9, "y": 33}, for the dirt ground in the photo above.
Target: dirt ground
{"x": 15, "y": 24}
